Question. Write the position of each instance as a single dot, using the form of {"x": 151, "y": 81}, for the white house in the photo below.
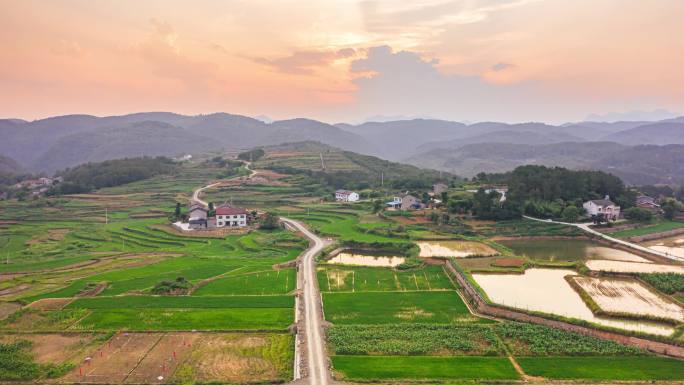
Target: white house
{"x": 604, "y": 206}
{"x": 228, "y": 216}
{"x": 346, "y": 196}
{"x": 405, "y": 202}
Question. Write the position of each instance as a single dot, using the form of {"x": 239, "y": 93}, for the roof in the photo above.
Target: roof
{"x": 229, "y": 210}
{"x": 194, "y": 207}
{"x": 602, "y": 202}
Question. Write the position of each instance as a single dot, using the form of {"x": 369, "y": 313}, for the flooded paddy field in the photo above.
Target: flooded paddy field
{"x": 632, "y": 267}
{"x": 456, "y": 249}
{"x": 359, "y": 258}
{"x": 628, "y": 296}
{"x": 672, "y": 245}
{"x": 547, "y": 291}
{"x": 568, "y": 250}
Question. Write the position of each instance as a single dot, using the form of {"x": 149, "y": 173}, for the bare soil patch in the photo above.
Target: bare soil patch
{"x": 54, "y": 235}
{"x": 8, "y": 308}
{"x": 55, "y": 348}
{"x": 508, "y": 262}
{"x": 49, "y": 304}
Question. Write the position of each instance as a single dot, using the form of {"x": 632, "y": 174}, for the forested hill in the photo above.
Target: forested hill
{"x": 90, "y": 176}
{"x": 346, "y": 169}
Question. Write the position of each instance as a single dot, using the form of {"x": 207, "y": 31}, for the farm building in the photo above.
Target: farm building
{"x": 197, "y": 217}
{"x": 405, "y": 201}
{"x": 346, "y": 196}
{"x": 229, "y": 216}
{"x": 647, "y": 202}
{"x": 439, "y": 188}
{"x": 604, "y": 206}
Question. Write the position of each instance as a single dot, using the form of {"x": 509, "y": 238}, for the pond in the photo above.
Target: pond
{"x": 672, "y": 245}
{"x": 456, "y": 249}
{"x": 569, "y": 250}
{"x": 547, "y": 291}
{"x": 632, "y": 267}
{"x": 354, "y": 259}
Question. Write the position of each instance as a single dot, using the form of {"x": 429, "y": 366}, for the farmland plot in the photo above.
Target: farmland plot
{"x": 356, "y": 279}
{"x": 627, "y": 296}
{"x": 457, "y": 249}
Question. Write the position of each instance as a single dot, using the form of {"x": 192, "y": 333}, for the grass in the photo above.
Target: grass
{"x": 650, "y": 229}
{"x": 604, "y": 368}
{"x": 359, "y": 279}
{"x": 258, "y": 283}
{"x": 187, "y": 319}
{"x": 424, "y": 368}
{"x": 438, "y": 307}
{"x": 183, "y": 302}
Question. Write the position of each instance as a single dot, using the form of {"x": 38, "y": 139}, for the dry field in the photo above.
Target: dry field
{"x": 155, "y": 358}
{"x": 457, "y": 249}
{"x": 628, "y": 296}
{"x": 53, "y": 347}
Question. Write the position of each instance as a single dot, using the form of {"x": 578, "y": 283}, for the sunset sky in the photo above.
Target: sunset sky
{"x": 342, "y": 60}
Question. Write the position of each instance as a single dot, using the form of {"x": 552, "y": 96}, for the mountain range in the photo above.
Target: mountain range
{"x": 638, "y": 151}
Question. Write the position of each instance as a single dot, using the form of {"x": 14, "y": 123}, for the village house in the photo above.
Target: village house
{"x": 604, "y": 206}
{"x": 346, "y": 196}
{"x": 439, "y": 188}
{"x": 229, "y": 216}
{"x": 405, "y": 201}
{"x": 197, "y": 217}
{"x": 646, "y": 202}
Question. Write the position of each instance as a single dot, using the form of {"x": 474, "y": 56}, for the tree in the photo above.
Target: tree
{"x": 212, "y": 210}
{"x": 638, "y": 214}
{"x": 377, "y": 206}
{"x": 670, "y": 208}
{"x": 598, "y": 218}
{"x": 571, "y": 214}
{"x": 445, "y": 198}
{"x": 426, "y": 198}
{"x": 269, "y": 222}
{"x": 177, "y": 211}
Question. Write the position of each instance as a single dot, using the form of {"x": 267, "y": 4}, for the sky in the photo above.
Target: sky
{"x": 343, "y": 61}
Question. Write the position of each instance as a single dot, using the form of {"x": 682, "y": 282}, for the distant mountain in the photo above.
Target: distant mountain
{"x": 635, "y": 164}
{"x": 656, "y": 133}
{"x": 655, "y": 115}
{"x": 9, "y": 166}
{"x": 503, "y": 136}
{"x": 63, "y": 141}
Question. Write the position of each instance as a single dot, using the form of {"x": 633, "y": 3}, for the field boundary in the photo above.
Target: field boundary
{"x": 508, "y": 313}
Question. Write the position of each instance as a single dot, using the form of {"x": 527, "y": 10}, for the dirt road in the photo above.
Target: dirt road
{"x": 317, "y": 360}
{"x": 195, "y": 195}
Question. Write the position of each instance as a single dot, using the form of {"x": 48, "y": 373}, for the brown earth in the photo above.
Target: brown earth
{"x": 53, "y": 347}
{"x": 508, "y": 262}
{"x": 8, "y": 308}
{"x": 52, "y": 235}
{"x": 49, "y": 304}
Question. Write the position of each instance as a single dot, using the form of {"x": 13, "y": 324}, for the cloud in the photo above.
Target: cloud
{"x": 390, "y": 82}
{"x": 305, "y": 62}
{"x": 68, "y": 48}
{"x": 501, "y": 66}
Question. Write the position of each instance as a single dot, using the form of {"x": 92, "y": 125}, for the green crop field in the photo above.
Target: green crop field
{"x": 262, "y": 282}
{"x": 440, "y": 307}
{"x": 225, "y": 318}
{"x": 358, "y": 279}
{"x": 424, "y": 368}
{"x": 604, "y": 368}
{"x": 652, "y": 229}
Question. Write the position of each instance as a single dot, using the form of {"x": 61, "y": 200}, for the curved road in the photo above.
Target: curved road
{"x": 317, "y": 360}
{"x": 195, "y": 195}
{"x": 585, "y": 227}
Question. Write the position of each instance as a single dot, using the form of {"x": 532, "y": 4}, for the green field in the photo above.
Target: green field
{"x": 183, "y": 302}
{"x": 424, "y": 368}
{"x": 258, "y": 283}
{"x": 439, "y": 307}
{"x": 187, "y": 319}
{"x": 604, "y": 368}
{"x": 359, "y": 279}
{"x": 650, "y": 229}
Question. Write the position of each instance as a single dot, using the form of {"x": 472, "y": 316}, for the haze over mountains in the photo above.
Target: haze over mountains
{"x": 638, "y": 151}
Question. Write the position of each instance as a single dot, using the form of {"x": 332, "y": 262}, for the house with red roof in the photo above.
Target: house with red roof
{"x": 229, "y": 216}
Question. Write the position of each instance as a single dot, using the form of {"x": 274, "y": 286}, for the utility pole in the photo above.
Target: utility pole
{"x": 106, "y": 216}
{"x": 382, "y": 178}
{"x": 322, "y": 162}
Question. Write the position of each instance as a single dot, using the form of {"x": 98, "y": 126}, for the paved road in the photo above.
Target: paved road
{"x": 317, "y": 360}
{"x": 196, "y": 193}
{"x": 585, "y": 227}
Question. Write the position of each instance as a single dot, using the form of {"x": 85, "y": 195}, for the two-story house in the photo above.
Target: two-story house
{"x": 604, "y": 206}
{"x": 228, "y": 216}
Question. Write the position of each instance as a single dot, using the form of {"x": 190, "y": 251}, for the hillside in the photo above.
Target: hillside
{"x": 341, "y": 168}
{"x": 636, "y": 165}
{"x": 658, "y": 133}
{"x": 9, "y": 165}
